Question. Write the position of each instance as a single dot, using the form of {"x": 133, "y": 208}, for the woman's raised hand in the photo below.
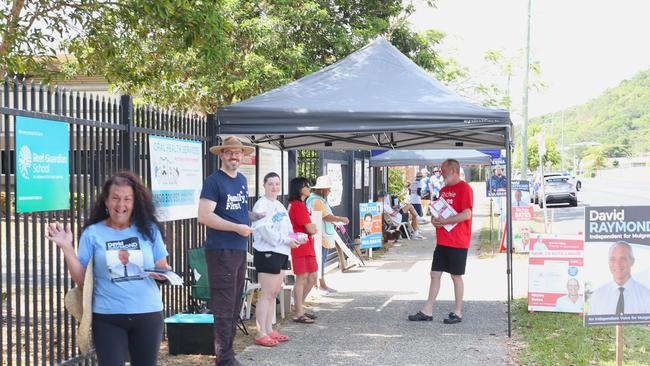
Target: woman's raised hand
{"x": 61, "y": 236}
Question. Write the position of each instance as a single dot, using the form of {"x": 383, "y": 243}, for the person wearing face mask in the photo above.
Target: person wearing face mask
{"x": 623, "y": 295}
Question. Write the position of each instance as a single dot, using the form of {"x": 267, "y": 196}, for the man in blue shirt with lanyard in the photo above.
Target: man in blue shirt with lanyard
{"x": 223, "y": 208}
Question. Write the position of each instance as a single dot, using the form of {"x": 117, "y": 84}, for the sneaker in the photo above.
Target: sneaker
{"x": 422, "y": 220}
{"x": 417, "y": 236}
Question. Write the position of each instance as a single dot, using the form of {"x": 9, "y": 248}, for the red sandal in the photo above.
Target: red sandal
{"x": 279, "y": 337}
{"x": 266, "y": 341}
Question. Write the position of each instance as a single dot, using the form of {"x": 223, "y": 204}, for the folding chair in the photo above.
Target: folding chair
{"x": 388, "y": 228}
{"x": 351, "y": 244}
{"x": 250, "y": 288}
{"x": 200, "y": 287}
{"x": 404, "y": 227}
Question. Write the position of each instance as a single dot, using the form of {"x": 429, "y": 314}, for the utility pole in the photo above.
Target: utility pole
{"x": 524, "y": 133}
{"x": 562, "y": 142}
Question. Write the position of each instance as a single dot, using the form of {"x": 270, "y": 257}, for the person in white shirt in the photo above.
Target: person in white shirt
{"x": 273, "y": 238}
{"x": 415, "y": 197}
{"x": 572, "y": 301}
{"x": 623, "y": 295}
{"x": 398, "y": 215}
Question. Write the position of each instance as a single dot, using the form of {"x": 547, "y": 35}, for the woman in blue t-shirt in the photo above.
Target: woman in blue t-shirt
{"x": 123, "y": 238}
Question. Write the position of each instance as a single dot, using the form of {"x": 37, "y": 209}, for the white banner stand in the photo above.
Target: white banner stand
{"x": 317, "y": 219}
{"x": 352, "y": 258}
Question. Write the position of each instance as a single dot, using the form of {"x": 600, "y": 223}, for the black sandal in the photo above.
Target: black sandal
{"x": 452, "y": 319}
{"x": 304, "y": 319}
{"x": 420, "y": 316}
{"x": 311, "y": 316}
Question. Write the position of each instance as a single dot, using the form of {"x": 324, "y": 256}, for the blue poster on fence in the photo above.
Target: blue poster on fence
{"x": 43, "y": 166}
{"x": 370, "y": 222}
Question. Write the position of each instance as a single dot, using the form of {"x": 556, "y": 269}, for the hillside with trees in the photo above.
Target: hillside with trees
{"x": 615, "y": 124}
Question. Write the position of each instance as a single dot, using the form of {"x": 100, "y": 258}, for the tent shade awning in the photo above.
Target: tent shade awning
{"x": 428, "y": 157}
{"x": 374, "y": 98}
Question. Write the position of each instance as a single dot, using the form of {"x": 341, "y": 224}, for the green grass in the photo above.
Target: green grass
{"x": 561, "y": 339}
{"x": 485, "y": 249}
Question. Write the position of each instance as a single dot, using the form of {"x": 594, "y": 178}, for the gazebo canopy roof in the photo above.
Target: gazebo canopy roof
{"x": 374, "y": 98}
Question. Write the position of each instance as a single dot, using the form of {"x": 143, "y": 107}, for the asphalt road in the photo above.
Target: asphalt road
{"x": 616, "y": 187}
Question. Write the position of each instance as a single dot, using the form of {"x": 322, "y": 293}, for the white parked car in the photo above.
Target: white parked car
{"x": 572, "y": 178}
{"x": 557, "y": 189}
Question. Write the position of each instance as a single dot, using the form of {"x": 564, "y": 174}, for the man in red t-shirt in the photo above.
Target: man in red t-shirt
{"x": 450, "y": 254}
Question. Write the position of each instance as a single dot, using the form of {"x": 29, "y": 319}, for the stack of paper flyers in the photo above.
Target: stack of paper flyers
{"x": 442, "y": 209}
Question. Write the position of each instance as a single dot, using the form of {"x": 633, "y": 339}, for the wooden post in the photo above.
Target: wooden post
{"x": 619, "y": 345}
{"x": 491, "y": 225}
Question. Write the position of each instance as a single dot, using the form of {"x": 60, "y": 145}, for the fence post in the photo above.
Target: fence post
{"x": 128, "y": 136}
{"x": 212, "y": 140}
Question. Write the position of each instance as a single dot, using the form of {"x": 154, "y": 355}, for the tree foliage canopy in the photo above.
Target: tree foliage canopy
{"x": 618, "y": 121}
{"x": 205, "y": 54}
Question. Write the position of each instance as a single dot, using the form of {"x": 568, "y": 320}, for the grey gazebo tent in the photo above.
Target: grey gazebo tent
{"x": 376, "y": 98}
{"x": 428, "y": 157}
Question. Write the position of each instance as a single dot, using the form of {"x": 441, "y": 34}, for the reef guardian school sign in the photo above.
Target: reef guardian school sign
{"x": 42, "y": 165}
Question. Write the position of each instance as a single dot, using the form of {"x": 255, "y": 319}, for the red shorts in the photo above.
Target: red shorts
{"x": 304, "y": 264}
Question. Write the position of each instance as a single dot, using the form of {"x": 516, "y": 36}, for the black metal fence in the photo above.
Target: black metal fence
{"x": 309, "y": 165}
{"x": 106, "y": 135}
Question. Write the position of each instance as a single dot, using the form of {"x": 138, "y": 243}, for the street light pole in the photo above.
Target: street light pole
{"x": 524, "y": 133}
{"x": 562, "y": 142}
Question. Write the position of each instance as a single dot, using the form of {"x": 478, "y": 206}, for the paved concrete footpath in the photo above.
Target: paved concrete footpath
{"x": 365, "y": 322}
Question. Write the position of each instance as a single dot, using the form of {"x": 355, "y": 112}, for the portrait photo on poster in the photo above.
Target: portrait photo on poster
{"x": 617, "y": 265}
{"x": 124, "y": 260}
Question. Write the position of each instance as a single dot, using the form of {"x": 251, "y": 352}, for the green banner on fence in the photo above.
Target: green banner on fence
{"x": 42, "y": 165}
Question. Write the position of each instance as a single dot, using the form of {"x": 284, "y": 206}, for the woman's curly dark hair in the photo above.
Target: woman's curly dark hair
{"x": 143, "y": 215}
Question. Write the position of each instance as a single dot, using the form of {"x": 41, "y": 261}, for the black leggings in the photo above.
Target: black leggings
{"x": 116, "y": 336}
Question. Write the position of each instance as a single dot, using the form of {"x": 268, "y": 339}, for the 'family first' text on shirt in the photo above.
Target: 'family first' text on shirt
{"x": 231, "y": 197}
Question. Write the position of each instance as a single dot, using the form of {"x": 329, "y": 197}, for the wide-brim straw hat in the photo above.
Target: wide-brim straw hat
{"x": 79, "y": 302}
{"x": 322, "y": 182}
{"x": 231, "y": 142}
{"x": 424, "y": 171}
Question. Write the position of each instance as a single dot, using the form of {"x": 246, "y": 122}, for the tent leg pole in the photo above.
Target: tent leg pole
{"x": 509, "y": 226}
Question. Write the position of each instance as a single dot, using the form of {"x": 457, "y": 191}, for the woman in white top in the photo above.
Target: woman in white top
{"x": 273, "y": 238}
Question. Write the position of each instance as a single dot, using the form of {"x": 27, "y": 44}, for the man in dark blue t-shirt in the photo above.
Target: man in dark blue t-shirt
{"x": 223, "y": 208}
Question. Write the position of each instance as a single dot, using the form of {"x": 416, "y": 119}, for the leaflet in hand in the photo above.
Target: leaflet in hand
{"x": 172, "y": 277}
{"x": 442, "y": 209}
{"x": 300, "y": 238}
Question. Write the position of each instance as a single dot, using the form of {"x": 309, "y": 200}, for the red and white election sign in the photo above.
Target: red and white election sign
{"x": 555, "y": 274}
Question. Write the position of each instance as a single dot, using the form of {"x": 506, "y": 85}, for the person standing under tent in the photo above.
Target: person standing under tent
{"x": 450, "y": 254}
{"x": 223, "y": 209}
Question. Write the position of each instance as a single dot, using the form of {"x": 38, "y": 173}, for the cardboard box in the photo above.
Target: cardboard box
{"x": 190, "y": 334}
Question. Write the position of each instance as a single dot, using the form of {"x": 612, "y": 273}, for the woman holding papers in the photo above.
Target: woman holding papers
{"x": 273, "y": 238}
{"x": 122, "y": 238}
